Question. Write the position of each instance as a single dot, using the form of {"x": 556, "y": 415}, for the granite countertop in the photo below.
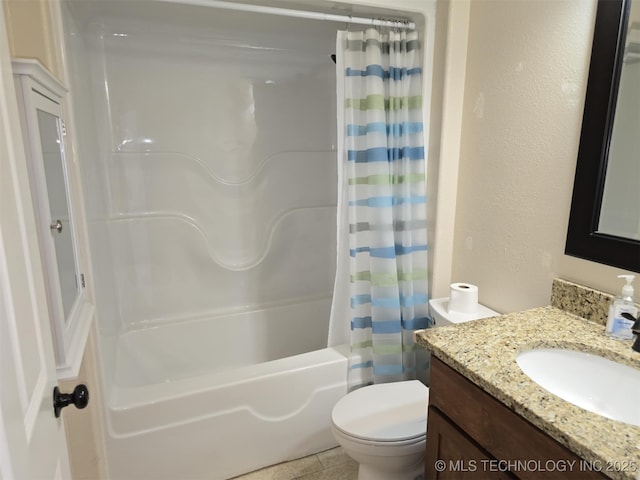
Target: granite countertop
{"x": 484, "y": 351}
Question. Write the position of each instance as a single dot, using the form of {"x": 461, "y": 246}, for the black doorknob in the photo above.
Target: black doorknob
{"x": 79, "y": 397}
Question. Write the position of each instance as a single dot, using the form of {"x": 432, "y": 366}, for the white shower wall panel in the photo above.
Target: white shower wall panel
{"x": 83, "y": 121}
{"x": 230, "y": 118}
{"x": 220, "y": 176}
{"x": 165, "y": 269}
{"x": 203, "y": 346}
{"x": 238, "y": 220}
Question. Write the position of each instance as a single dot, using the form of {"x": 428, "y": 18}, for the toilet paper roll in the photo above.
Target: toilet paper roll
{"x": 463, "y": 298}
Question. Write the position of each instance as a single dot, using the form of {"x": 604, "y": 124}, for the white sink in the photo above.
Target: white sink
{"x": 589, "y": 381}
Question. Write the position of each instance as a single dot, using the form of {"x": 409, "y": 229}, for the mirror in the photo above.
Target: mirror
{"x": 620, "y": 211}
{"x": 604, "y": 222}
{"x": 53, "y": 163}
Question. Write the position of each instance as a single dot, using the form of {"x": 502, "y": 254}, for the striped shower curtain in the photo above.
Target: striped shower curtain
{"x": 385, "y": 197}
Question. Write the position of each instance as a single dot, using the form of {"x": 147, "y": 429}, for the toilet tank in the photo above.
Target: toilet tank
{"x": 438, "y": 308}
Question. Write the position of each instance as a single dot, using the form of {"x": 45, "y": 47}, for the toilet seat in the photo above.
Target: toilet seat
{"x": 384, "y": 413}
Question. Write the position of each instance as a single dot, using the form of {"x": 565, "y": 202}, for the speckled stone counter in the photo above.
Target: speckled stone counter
{"x": 484, "y": 351}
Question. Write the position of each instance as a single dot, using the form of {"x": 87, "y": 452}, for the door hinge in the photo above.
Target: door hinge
{"x": 63, "y": 128}
{"x": 82, "y": 280}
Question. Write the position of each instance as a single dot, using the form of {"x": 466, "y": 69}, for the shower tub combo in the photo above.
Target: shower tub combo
{"x": 217, "y": 425}
{"x": 208, "y": 145}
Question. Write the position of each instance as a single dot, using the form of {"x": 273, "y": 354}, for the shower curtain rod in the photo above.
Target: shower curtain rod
{"x": 288, "y": 12}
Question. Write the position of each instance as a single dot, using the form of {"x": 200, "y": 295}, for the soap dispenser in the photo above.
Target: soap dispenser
{"x": 619, "y": 325}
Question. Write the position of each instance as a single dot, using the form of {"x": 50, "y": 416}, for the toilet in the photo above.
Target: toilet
{"x": 383, "y": 427}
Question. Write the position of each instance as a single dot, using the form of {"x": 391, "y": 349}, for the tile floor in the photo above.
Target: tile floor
{"x": 331, "y": 464}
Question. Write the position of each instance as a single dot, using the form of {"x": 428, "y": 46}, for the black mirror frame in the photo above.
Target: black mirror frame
{"x": 583, "y": 240}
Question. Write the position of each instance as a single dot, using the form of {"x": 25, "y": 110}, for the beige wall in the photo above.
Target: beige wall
{"x": 31, "y": 32}
{"x": 527, "y": 62}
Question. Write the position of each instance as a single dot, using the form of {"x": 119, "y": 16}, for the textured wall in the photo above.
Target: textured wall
{"x": 525, "y": 83}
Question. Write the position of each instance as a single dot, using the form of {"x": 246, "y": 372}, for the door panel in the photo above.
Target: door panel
{"x": 32, "y": 440}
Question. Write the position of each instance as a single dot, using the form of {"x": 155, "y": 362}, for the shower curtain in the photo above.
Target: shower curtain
{"x": 382, "y": 234}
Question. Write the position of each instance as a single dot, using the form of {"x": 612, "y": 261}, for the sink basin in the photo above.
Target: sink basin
{"x": 588, "y": 381}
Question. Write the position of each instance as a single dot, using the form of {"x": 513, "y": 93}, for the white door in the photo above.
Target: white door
{"x": 32, "y": 440}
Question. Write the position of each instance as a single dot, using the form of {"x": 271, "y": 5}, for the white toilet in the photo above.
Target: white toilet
{"x": 383, "y": 427}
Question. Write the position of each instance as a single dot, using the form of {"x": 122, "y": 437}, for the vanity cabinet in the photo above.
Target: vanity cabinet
{"x": 470, "y": 434}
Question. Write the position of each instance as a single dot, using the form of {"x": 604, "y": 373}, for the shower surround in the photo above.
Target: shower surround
{"x": 208, "y": 146}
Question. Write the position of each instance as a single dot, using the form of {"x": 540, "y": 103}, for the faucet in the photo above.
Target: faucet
{"x": 635, "y": 328}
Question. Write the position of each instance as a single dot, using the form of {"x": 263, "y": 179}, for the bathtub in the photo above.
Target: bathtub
{"x": 188, "y": 411}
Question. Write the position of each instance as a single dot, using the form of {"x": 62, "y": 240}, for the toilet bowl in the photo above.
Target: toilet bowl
{"x": 383, "y": 427}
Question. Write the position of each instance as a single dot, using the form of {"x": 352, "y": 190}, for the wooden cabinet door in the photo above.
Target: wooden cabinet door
{"x": 453, "y": 455}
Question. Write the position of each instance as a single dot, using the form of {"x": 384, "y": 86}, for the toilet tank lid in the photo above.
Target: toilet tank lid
{"x": 439, "y": 309}
{"x": 384, "y": 412}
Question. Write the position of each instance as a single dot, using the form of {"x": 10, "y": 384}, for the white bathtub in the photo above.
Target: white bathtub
{"x": 167, "y": 419}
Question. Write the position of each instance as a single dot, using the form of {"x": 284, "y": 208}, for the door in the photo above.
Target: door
{"x": 32, "y": 440}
